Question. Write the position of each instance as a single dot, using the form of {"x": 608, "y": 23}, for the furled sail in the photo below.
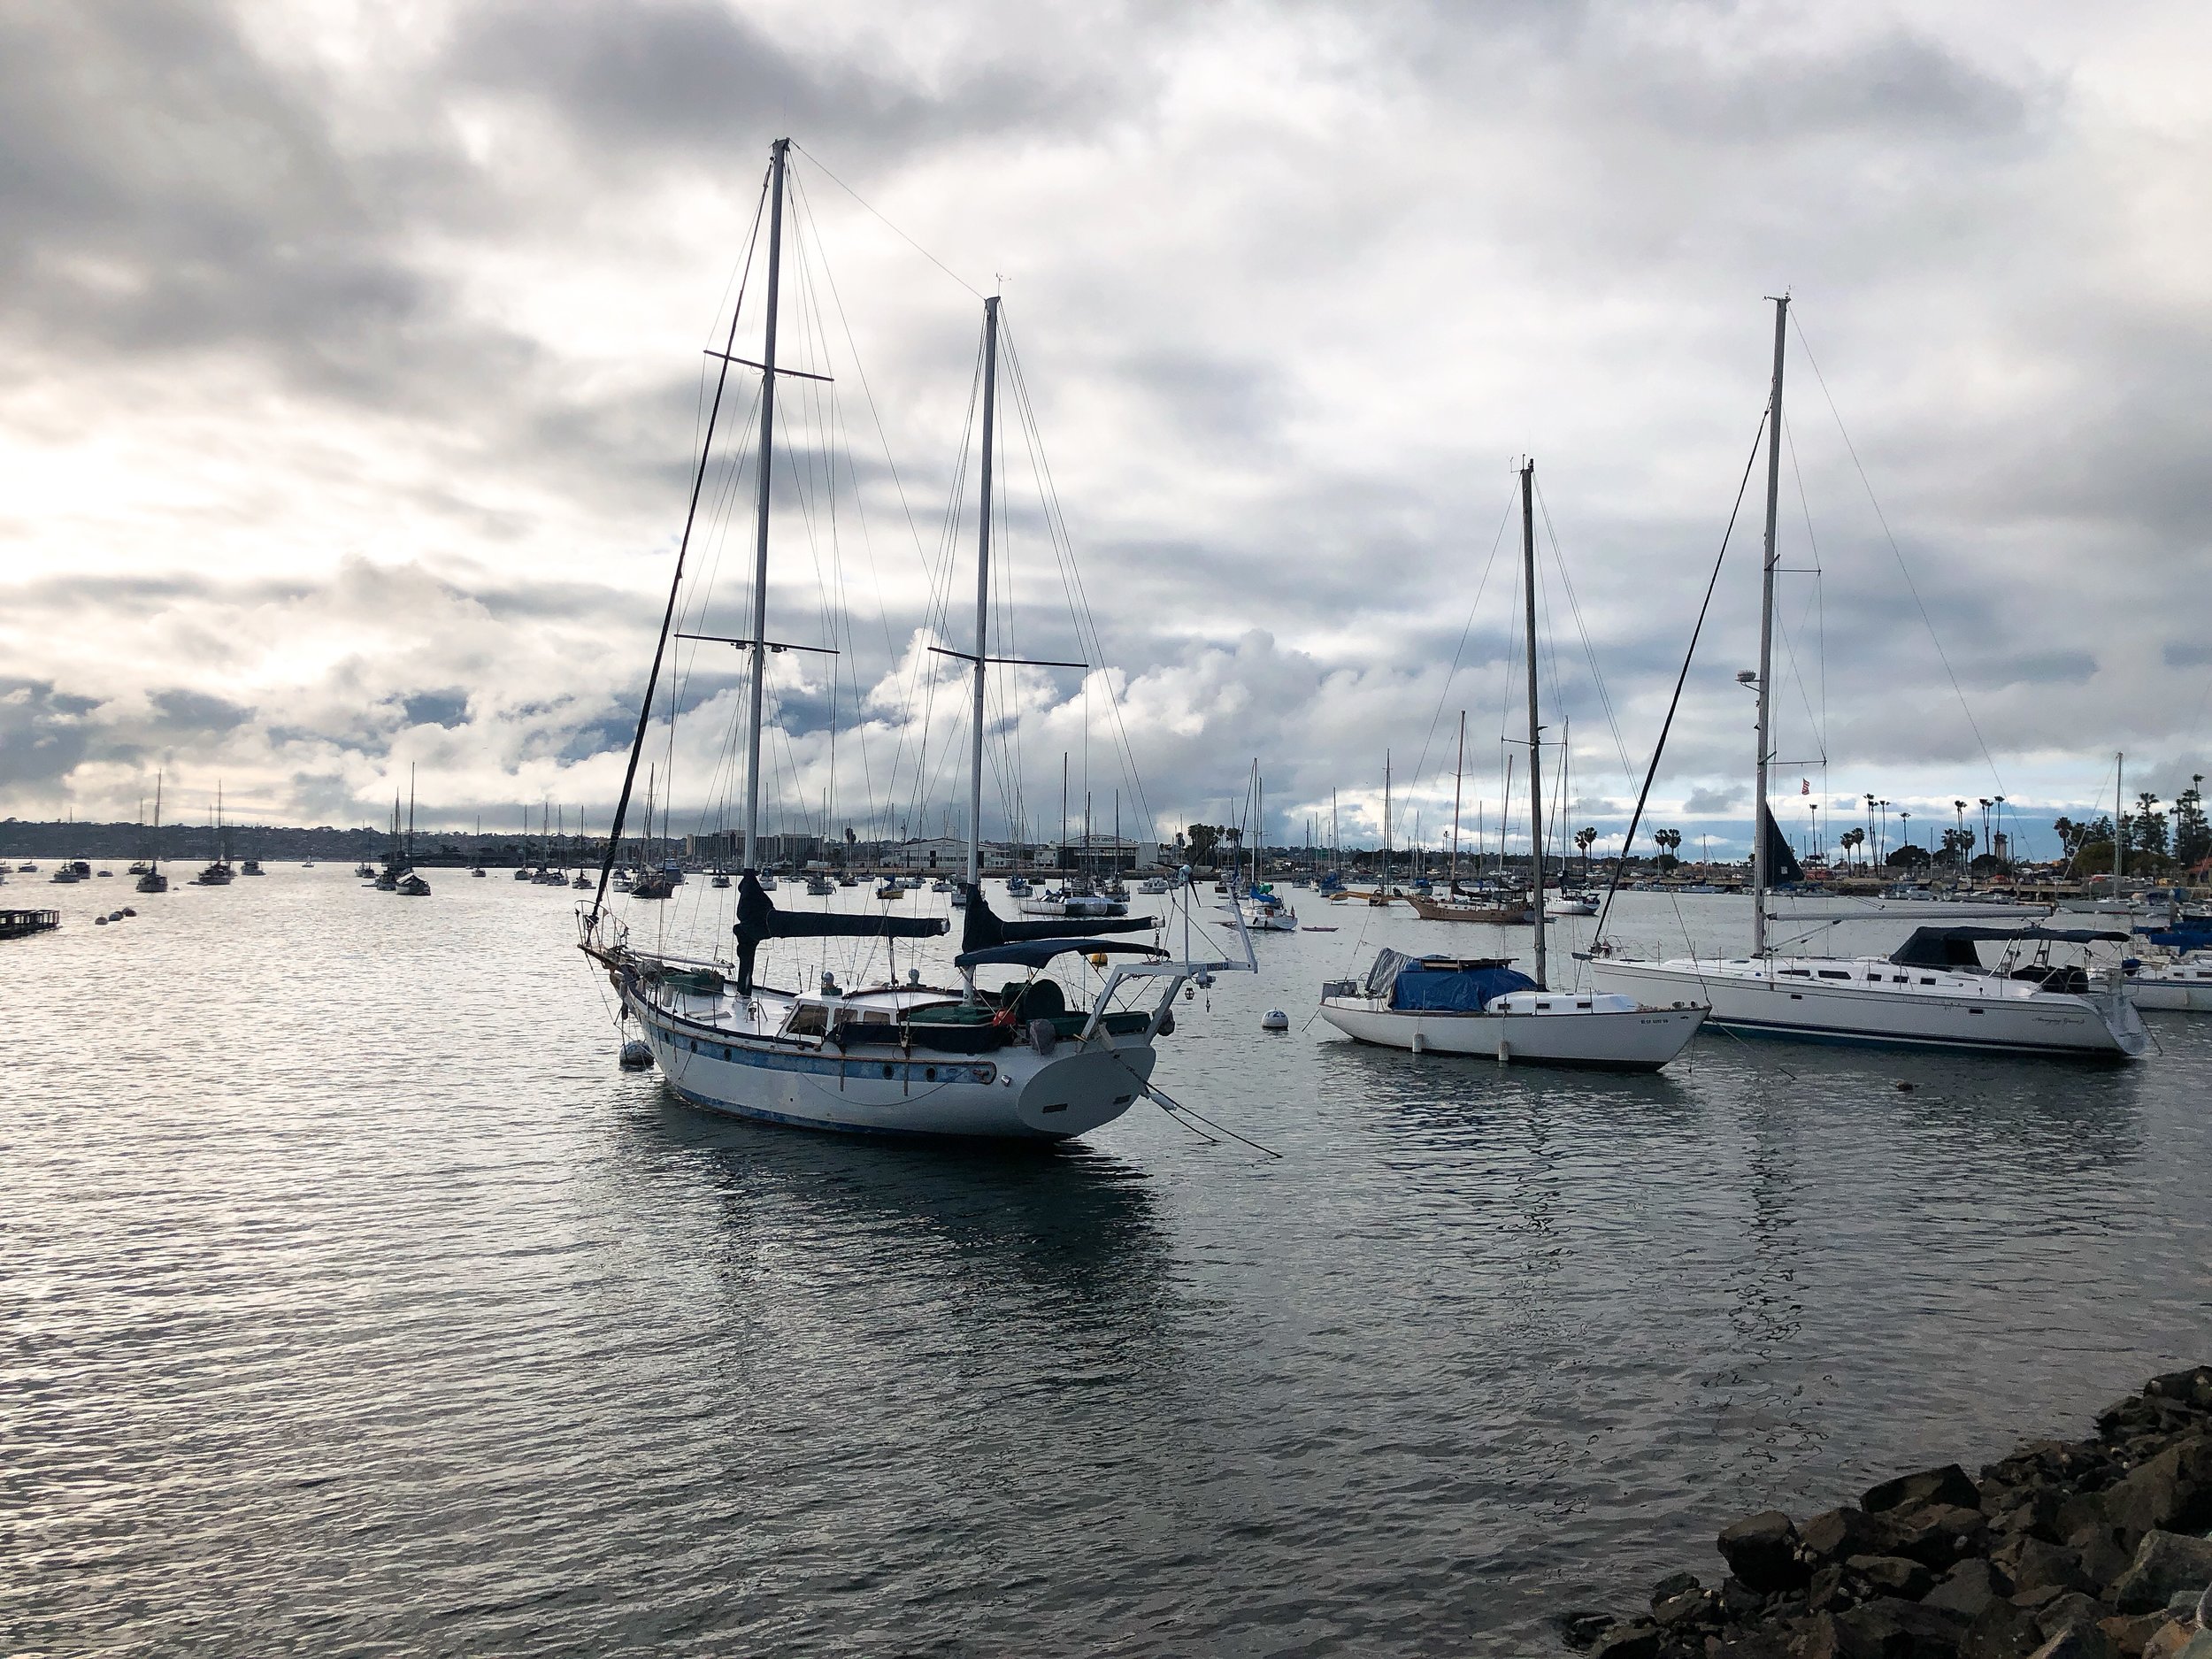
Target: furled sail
{"x": 758, "y": 918}
{"x": 983, "y": 927}
{"x": 1782, "y": 865}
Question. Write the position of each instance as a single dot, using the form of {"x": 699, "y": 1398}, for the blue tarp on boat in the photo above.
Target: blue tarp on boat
{"x": 1443, "y": 984}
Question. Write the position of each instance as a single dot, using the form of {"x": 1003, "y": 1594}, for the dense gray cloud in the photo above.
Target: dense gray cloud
{"x": 355, "y": 385}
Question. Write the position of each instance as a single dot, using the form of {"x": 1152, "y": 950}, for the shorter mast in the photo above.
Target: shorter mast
{"x": 2119, "y": 819}
{"x": 1459, "y": 771}
{"x": 1385, "y": 867}
{"x": 1535, "y": 729}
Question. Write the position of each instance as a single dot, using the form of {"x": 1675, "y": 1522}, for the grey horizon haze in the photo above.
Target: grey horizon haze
{"x": 354, "y": 380}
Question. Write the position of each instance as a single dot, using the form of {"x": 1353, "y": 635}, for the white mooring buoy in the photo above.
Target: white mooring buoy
{"x": 1274, "y": 1019}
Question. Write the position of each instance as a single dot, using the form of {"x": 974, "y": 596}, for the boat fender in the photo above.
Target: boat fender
{"x": 1167, "y": 1023}
{"x": 1098, "y": 958}
{"x": 637, "y": 1056}
{"x": 1044, "y": 1036}
{"x": 1420, "y": 1044}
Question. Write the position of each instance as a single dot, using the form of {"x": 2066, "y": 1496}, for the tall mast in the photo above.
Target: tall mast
{"x": 1759, "y": 872}
{"x": 1385, "y": 869}
{"x": 767, "y": 469}
{"x": 982, "y": 588}
{"x": 1535, "y": 727}
{"x": 157, "y": 857}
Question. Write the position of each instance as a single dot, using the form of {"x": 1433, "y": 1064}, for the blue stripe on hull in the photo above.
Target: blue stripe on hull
{"x": 761, "y": 1114}
{"x": 1890, "y": 1040}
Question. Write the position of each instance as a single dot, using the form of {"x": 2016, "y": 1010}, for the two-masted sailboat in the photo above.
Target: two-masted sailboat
{"x": 900, "y": 1058}
{"x": 1484, "y": 1005}
{"x": 1934, "y": 991}
{"x": 151, "y": 879}
{"x": 1458, "y": 904}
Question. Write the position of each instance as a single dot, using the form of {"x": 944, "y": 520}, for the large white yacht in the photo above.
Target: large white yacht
{"x": 1935, "y": 991}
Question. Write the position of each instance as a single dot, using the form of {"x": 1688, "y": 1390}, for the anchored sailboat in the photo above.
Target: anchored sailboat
{"x": 1934, "y": 992}
{"x": 1460, "y": 905}
{"x": 1481, "y": 1005}
{"x": 152, "y": 880}
{"x": 902, "y": 1058}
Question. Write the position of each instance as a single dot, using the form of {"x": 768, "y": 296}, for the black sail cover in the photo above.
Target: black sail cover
{"x": 1782, "y": 865}
{"x": 983, "y": 928}
{"x": 758, "y": 918}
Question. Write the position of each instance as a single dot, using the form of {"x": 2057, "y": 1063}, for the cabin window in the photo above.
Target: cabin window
{"x": 1543, "y": 1007}
{"x": 1927, "y": 981}
{"x": 808, "y": 1019}
{"x": 1835, "y": 973}
{"x": 1802, "y": 973}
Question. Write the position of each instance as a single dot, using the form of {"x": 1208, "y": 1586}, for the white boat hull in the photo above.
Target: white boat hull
{"x": 1978, "y": 1013}
{"x": 1012, "y": 1092}
{"x": 1638, "y": 1040}
{"x": 2173, "y": 990}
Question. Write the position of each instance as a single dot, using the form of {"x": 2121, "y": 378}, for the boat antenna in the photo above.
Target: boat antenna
{"x": 1535, "y": 730}
{"x": 1759, "y": 871}
{"x": 774, "y": 182}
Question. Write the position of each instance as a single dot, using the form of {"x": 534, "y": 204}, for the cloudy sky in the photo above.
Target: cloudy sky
{"x": 353, "y": 379}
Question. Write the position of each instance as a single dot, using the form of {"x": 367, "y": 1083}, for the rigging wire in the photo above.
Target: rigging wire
{"x": 1659, "y": 748}
{"x": 1905, "y": 570}
{"x": 895, "y": 230}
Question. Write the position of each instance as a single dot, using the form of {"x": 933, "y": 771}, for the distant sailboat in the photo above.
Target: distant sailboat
{"x": 218, "y": 873}
{"x": 152, "y": 880}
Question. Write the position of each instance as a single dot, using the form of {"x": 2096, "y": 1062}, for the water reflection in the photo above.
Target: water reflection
{"x": 1068, "y": 1234}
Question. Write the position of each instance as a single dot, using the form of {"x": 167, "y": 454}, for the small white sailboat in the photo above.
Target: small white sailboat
{"x": 2176, "y": 984}
{"x": 1481, "y": 1006}
{"x": 1934, "y": 992}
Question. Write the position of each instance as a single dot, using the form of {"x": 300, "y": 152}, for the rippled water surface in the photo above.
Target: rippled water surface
{"x": 354, "y": 1302}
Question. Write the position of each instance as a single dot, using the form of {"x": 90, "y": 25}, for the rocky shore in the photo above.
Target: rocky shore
{"x": 2067, "y": 1549}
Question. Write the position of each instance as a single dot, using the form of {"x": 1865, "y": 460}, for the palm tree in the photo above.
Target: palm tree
{"x": 1586, "y": 838}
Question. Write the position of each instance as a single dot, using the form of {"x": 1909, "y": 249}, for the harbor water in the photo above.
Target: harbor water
{"x": 354, "y": 1302}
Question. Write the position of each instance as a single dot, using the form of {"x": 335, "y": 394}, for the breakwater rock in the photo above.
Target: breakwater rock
{"x": 2067, "y": 1549}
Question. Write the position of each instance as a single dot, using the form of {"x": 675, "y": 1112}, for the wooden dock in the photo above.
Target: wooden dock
{"x": 17, "y": 924}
